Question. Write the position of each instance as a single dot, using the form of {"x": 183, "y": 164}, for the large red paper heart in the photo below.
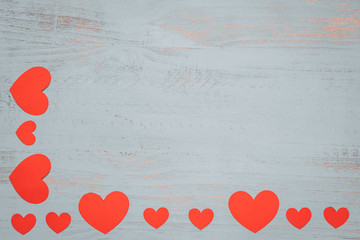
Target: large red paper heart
{"x": 298, "y": 218}
{"x": 254, "y": 214}
{"x": 58, "y": 223}
{"x": 27, "y": 90}
{"x": 336, "y": 218}
{"x": 104, "y": 215}
{"x": 23, "y": 224}
{"x": 25, "y": 133}
{"x": 156, "y": 218}
{"x": 27, "y": 178}
{"x": 201, "y": 219}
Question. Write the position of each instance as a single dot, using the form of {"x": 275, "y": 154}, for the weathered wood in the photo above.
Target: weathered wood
{"x": 180, "y": 104}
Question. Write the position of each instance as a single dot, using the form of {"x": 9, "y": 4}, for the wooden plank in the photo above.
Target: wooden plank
{"x": 182, "y": 103}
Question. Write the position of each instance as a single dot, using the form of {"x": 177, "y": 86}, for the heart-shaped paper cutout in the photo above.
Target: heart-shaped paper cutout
{"x": 27, "y": 178}
{"x": 201, "y": 219}
{"x": 156, "y": 218}
{"x": 27, "y": 90}
{"x": 104, "y": 215}
{"x": 23, "y": 224}
{"x": 254, "y": 214}
{"x": 58, "y": 223}
{"x": 25, "y": 133}
{"x": 298, "y": 218}
{"x": 336, "y": 218}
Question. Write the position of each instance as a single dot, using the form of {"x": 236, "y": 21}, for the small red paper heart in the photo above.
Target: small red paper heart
{"x": 58, "y": 223}
{"x": 336, "y": 218}
{"x": 156, "y": 218}
{"x": 201, "y": 219}
{"x": 254, "y": 214}
{"x": 23, "y": 224}
{"x": 298, "y": 218}
{"x": 104, "y": 215}
{"x": 27, "y": 178}
{"x": 25, "y": 133}
{"x": 27, "y": 90}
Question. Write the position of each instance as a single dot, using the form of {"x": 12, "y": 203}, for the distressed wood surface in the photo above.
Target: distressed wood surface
{"x": 179, "y": 104}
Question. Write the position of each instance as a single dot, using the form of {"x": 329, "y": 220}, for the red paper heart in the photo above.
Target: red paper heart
{"x": 27, "y": 90}
{"x": 104, "y": 215}
{"x": 58, "y": 223}
{"x": 27, "y": 178}
{"x": 23, "y": 224}
{"x": 25, "y": 133}
{"x": 201, "y": 219}
{"x": 156, "y": 218}
{"x": 298, "y": 218}
{"x": 336, "y": 218}
{"x": 254, "y": 214}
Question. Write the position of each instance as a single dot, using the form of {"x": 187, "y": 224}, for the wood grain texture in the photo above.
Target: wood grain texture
{"x": 179, "y": 104}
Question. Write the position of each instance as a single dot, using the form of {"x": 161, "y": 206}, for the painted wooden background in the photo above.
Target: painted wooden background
{"x": 179, "y": 104}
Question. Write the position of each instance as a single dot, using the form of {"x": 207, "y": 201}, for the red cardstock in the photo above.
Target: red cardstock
{"x": 336, "y": 218}
{"x": 104, "y": 215}
{"x": 23, "y": 224}
{"x": 58, "y": 223}
{"x": 156, "y": 218}
{"x": 25, "y": 133}
{"x": 298, "y": 218}
{"x": 27, "y": 90}
{"x": 201, "y": 219}
{"x": 27, "y": 178}
{"x": 254, "y": 214}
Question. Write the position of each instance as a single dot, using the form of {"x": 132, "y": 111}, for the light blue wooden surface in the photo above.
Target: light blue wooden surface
{"x": 179, "y": 104}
